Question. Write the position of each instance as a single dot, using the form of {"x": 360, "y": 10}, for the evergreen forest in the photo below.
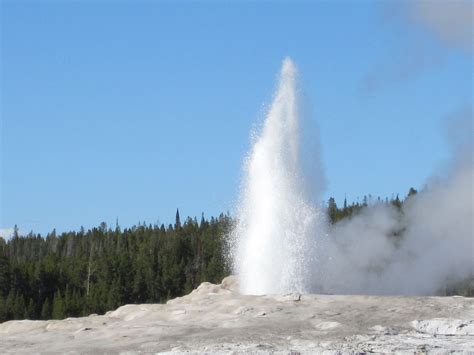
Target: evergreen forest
{"x": 80, "y": 273}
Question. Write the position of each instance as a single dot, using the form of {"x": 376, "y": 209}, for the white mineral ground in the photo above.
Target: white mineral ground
{"x": 217, "y": 318}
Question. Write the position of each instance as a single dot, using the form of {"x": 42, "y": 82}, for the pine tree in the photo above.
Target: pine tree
{"x": 16, "y": 231}
{"x": 30, "y": 310}
{"x": 178, "y": 221}
{"x": 3, "y": 310}
{"x": 46, "y": 310}
{"x": 4, "y": 275}
{"x": 58, "y": 306}
{"x": 9, "y": 305}
{"x": 397, "y": 203}
{"x": 19, "y": 307}
{"x": 332, "y": 210}
{"x": 412, "y": 192}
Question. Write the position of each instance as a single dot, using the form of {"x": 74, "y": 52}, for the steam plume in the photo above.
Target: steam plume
{"x": 282, "y": 243}
{"x": 434, "y": 246}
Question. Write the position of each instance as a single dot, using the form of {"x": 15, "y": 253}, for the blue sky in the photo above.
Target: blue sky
{"x": 130, "y": 110}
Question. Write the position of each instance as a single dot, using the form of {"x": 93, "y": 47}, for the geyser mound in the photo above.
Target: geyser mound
{"x": 218, "y": 319}
{"x": 274, "y": 241}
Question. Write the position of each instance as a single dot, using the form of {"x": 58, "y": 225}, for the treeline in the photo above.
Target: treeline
{"x": 80, "y": 273}
{"x": 336, "y": 214}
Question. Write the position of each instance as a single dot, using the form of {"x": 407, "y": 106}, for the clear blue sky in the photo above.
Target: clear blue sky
{"x": 134, "y": 109}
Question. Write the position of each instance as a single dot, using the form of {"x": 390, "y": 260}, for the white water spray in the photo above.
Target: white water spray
{"x": 274, "y": 240}
{"x": 279, "y": 244}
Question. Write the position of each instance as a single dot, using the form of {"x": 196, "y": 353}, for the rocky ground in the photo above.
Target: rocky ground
{"x": 216, "y": 318}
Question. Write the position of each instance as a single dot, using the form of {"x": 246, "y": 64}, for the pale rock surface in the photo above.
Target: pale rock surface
{"x": 216, "y": 318}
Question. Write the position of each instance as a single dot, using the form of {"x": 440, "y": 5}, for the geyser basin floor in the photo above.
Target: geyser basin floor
{"x": 217, "y": 318}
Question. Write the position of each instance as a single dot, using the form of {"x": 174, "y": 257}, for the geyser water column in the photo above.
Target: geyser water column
{"x": 274, "y": 241}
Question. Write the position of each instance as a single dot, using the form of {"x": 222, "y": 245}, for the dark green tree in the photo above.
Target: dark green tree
{"x": 332, "y": 210}
{"x": 46, "y": 309}
{"x": 58, "y": 306}
{"x": 177, "y": 224}
{"x": 412, "y": 192}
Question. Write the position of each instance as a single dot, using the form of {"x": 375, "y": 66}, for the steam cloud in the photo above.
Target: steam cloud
{"x": 6, "y": 233}
{"x": 282, "y": 242}
{"x": 436, "y": 246}
{"x": 451, "y": 21}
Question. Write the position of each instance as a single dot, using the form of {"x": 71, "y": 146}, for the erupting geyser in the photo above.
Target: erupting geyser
{"x": 274, "y": 240}
{"x": 282, "y": 243}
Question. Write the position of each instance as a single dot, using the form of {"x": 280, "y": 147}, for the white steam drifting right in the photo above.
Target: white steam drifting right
{"x": 281, "y": 242}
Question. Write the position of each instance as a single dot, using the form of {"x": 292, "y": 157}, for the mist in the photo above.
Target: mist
{"x": 420, "y": 250}
{"x": 283, "y": 241}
